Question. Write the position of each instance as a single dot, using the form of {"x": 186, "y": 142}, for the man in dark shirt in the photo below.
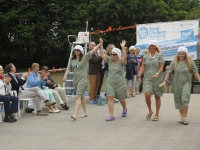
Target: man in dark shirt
{"x": 94, "y": 74}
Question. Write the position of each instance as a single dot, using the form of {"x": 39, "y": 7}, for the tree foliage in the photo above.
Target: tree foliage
{"x": 37, "y": 30}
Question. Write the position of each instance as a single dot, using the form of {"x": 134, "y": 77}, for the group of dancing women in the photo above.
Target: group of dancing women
{"x": 182, "y": 68}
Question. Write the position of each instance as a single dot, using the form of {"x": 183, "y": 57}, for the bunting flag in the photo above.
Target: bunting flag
{"x": 60, "y": 69}
{"x": 113, "y": 29}
{"x": 29, "y": 70}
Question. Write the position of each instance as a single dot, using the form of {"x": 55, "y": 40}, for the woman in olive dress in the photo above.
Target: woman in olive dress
{"x": 182, "y": 68}
{"x": 152, "y": 68}
{"x": 79, "y": 64}
{"x": 115, "y": 83}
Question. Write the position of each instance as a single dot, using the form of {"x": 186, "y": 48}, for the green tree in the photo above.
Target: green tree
{"x": 37, "y": 30}
{"x": 195, "y": 13}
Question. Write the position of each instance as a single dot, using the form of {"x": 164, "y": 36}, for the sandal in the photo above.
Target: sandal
{"x": 132, "y": 95}
{"x": 181, "y": 121}
{"x": 149, "y": 115}
{"x": 73, "y": 117}
{"x": 83, "y": 116}
{"x": 155, "y": 119}
{"x": 185, "y": 122}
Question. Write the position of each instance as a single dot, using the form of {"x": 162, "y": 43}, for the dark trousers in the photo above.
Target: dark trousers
{"x": 192, "y": 87}
{"x": 9, "y": 108}
{"x": 141, "y": 85}
{"x": 102, "y": 72}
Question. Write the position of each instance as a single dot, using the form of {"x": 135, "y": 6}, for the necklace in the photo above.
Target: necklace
{"x": 77, "y": 63}
{"x": 152, "y": 56}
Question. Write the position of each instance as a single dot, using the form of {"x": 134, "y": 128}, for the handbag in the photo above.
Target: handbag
{"x": 100, "y": 101}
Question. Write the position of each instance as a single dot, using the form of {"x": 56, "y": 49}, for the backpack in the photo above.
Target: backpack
{"x": 29, "y": 110}
{"x": 100, "y": 101}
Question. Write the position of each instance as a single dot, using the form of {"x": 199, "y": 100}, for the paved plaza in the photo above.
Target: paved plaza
{"x": 59, "y": 131}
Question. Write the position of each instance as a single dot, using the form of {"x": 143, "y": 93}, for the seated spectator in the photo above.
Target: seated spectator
{"x": 34, "y": 92}
{"x": 5, "y": 88}
{"x": 37, "y": 80}
{"x": 58, "y": 92}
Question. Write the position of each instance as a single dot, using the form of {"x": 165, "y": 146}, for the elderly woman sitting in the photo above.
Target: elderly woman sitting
{"x": 35, "y": 79}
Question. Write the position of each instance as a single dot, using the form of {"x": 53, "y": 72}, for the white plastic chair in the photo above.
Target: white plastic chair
{"x": 27, "y": 100}
{"x": 14, "y": 93}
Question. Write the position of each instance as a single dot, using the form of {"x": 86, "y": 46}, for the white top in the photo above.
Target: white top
{"x": 2, "y": 88}
{"x": 103, "y": 65}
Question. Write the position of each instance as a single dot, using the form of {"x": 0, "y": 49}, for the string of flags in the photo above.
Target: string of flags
{"x": 110, "y": 29}
{"x": 53, "y": 70}
{"x": 113, "y": 29}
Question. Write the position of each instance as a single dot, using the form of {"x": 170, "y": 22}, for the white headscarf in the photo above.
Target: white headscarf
{"x": 117, "y": 51}
{"x": 183, "y": 49}
{"x": 153, "y": 42}
{"x": 79, "y": 47}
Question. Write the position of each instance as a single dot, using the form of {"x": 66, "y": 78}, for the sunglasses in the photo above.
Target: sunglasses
{"x": 179, "y": 54}
{"x": 77, "y": 50}
{"x": 113, "y": 54}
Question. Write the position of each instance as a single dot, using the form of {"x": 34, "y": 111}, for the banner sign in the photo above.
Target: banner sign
{"x": 170, "y": 36}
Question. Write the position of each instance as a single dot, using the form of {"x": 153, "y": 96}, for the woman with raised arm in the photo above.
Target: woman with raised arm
{"x": 115, "y": 85}
{"x": 79, "y": 64}
{"x": 182, "y": 68}
{"x": 152, "y": 67}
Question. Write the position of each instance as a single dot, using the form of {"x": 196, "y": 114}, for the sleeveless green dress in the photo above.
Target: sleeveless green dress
{"x": 152, "y": 66}
{"x": 80, "y": 70}
{"x": 181, "y": 83}
{"x": 115, "y": 83}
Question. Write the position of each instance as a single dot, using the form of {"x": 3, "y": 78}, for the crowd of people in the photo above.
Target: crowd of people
{"x": 127, "y": 74}
{"x": 125, "y": 71}
{"x": 33, "y": 85}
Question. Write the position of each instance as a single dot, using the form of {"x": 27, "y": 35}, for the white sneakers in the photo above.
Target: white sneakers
{"x": 54, "y": 111}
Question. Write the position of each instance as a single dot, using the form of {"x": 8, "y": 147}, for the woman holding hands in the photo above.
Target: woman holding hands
{"x": 182, "y": 68}
{"x": 79, "y": 64}
{"x": 115, "y": 84}
{"x": 152, "y": 67}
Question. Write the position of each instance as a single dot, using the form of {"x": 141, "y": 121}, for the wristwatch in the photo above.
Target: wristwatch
{"x": 157, "y": 73}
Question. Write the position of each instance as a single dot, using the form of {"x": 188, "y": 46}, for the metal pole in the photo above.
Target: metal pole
{"x": 86, "y": 26}
{"x": 84, "y": 41}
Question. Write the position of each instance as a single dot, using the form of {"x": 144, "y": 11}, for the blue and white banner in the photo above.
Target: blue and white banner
{"x": 170, "y": 36}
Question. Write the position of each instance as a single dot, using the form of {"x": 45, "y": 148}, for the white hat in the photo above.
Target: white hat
{"x": 153, "y": 42}
{"x": 183, "y": 49}
{"x": 117, "y": 51}
{"x": 132, "y": 47}
{"x": 79, "y": 48}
